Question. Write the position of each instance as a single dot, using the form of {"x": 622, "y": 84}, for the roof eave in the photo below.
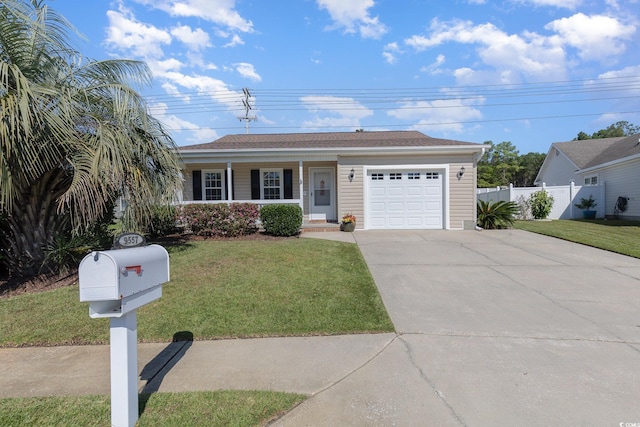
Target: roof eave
{"x": 610, "y": 163}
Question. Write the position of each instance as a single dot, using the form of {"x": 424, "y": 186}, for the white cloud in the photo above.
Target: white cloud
{"x": 342, "y": 111}
{"x": 596, "y": 37}
{"x": 434, "y": 68}
{"x": 196, "y": 39}
{"x": 529, "y": 54}
{"x": 248, "y": 71}
{"x": 390, "y": 53}
{"x": 127, "y": 34}
{"x": 235, "y": 41}
{"x": 354, "y": 17}
{"x": 443, "y": 115}
{"x": 220, "y": 12}
{"x": 567, "y": 4}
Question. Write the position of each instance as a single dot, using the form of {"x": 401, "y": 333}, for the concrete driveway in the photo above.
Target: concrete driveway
{"x": 494, "y": 328}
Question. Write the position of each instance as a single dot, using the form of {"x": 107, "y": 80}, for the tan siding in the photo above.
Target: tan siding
{"x": 351, "y": 193}
{"x": 241, "y": 177}
{"x": 462, "y": 193}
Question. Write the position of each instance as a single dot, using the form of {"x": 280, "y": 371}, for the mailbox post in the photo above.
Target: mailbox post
{"x": 116, "y": 283}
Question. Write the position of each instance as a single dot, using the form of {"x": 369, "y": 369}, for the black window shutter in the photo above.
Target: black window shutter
{"x": 233, "y": 186}
{"x": 255, "y": 184}
{"x": 288, "y": 184}
{"x": 197, "y": 185}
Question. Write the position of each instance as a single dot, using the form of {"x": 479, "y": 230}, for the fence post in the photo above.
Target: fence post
{"x": 572, "y": 191}
{"x": 511, "y": 192}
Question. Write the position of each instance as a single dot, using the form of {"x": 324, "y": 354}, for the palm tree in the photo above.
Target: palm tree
{"x": 74, "y": 136}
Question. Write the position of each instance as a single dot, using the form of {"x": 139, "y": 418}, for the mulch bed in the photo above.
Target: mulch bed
{"x": 45, "y": 282}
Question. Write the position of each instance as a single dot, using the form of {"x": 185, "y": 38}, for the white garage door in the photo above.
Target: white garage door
{"x": 403, "y": 198}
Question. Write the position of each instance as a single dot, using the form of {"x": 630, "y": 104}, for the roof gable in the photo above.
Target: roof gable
{"x": 583, "y": 152}
{"x": 326, "y": 140}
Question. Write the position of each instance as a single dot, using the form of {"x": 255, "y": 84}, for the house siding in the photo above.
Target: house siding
{"x": 621, "y": 180}
{"x": 462, "y": 193}
{"x": 559, "y": 170}
{"x": 241, "y": 177}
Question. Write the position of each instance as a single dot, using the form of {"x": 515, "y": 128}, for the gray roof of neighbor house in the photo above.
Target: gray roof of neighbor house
{"x": 326, "y": 140}
{"x": 583, "y": 152}
{"x": 620, "y": 149}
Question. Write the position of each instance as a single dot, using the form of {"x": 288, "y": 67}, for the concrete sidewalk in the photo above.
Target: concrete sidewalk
{"x": 493, "y": 328}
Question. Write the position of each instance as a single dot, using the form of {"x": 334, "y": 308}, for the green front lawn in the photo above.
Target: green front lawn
{"x": 215, "y": 408}
{"x": 618, "y": 236}
{"x": 221, "y": 289}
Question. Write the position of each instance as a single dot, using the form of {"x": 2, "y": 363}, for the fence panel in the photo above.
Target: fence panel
{"x": 564, "y": 198}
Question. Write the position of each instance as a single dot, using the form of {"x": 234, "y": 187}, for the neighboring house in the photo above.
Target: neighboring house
{"x": 611, "y": 162}
{"x": 388, "y": 180}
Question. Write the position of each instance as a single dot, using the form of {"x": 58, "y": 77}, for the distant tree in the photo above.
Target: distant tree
{"x": 499, "y": 166}
{"x": 618, "y": 129}
{"x": 530, "y": 164}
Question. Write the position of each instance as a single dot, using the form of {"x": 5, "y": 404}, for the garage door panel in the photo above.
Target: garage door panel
{"x": 414, "y": 191}
{"x": 413, "y": 199}
{"x": 414, "y": 206}
{"x": 396, "y": 191}
{"x": 377, "y": 192}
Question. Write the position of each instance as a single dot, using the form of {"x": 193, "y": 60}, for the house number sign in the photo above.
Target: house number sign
{"x": 129, "y": 240}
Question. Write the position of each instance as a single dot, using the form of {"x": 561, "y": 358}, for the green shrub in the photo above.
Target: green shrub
{"x": 219, "y": 220}
{"x": 541, "y": 203}
{"x": 281, "y": 219}
{"x": 496, "y": 215}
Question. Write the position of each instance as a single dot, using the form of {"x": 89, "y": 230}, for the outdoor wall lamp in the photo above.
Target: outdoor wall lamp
{"x": 351, "y": 175}
{"x": 461, "y": 172}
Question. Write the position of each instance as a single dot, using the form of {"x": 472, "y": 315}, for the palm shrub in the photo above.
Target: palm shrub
{"x": 281, "y": 220}
{"x": 541, "y": 203}
{"x": 496, "y": 215}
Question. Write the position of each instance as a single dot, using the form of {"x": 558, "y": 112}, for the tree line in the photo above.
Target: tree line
{"x": 502, "y": 164}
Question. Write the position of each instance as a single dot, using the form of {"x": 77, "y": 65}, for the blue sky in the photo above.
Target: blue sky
{"x": 531, "y": 72}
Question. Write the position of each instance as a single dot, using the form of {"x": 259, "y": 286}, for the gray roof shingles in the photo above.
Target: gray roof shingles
{"x": 326, "y": 140}
{"x": 593, "y": 152}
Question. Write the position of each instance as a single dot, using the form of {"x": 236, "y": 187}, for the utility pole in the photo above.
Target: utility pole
{"x": 247, "y": 106}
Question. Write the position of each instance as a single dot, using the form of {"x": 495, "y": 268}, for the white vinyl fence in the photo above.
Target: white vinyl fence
{"x": 564, "y": 198}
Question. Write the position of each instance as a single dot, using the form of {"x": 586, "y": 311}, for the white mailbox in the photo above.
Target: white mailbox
{"x": 118, "y": 281}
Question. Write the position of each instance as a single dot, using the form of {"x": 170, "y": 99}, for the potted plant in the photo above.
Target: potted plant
{"x": 348, "y": 222}
{"x": 586, "y": 205}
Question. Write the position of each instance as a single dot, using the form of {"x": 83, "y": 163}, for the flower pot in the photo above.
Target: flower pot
{"x": 348, "y": 226}
{"x": 589, "y": 214}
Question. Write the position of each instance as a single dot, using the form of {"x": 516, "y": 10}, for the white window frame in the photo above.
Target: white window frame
{"x": 591, "y": 180}
{"x": 223, "y": 178}
{"x": 280, "y": 173}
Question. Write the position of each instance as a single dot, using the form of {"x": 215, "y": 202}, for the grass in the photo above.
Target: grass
{"x": 222, "y": 289}
{"x": 215, "y": 408}
{"x": 613, "y": 235}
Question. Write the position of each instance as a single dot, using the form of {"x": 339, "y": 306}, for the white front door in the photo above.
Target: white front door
{"x": 322, "y": 195}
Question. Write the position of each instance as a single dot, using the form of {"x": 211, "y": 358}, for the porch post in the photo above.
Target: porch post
{"x": 301, "y": 182}
{"x": 229, "y": 182}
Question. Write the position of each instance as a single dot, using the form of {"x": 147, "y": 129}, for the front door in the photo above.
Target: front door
{"x": 322, "y": 195}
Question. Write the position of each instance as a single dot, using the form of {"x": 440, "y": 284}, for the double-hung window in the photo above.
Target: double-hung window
{"x": 271, "y": 184}
{"x": 213, "y": 184}
{"x": 591, "y": 180}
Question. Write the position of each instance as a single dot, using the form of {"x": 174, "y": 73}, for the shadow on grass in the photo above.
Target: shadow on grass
{"x": 173, "y": 243}
{"x": 611, "y": 222}
{"x": 155, "y": 371}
